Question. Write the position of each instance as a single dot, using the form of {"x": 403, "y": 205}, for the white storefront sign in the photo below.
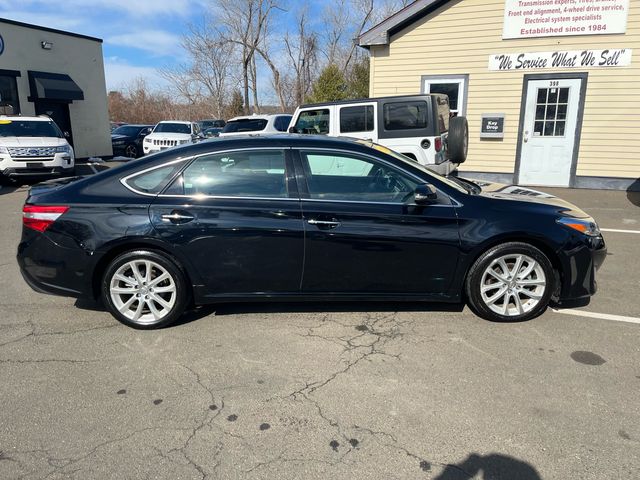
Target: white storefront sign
{"x": 614, "y": 57}
{"x": 552, "y": 18}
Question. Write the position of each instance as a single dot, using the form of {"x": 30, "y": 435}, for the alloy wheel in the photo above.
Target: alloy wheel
{"x": 513, "y": 285}
{"x": 131, "y": 151}
{"x": 143, "y": 291}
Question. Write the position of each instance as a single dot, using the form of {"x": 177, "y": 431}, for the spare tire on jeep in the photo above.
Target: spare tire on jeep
{"x": 458, "y": 139}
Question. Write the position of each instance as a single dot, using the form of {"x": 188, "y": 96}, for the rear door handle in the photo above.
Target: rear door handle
{"x": 177, "y": 217}
{"x": 324, "y": 223}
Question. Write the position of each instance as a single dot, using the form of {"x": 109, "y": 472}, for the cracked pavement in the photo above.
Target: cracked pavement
{"x": 315, "y": 391}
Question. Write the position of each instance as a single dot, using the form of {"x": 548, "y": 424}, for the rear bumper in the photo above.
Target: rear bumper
{"x": 580, "y": 264}
{"x": 53, "y": 269}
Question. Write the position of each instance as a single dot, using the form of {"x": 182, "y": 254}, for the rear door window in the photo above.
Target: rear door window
{"x": 356, "y": 119}
{"x": 405, "y": 115}
{"x": 245, "y": 173}
{"x": 313, "y": 121}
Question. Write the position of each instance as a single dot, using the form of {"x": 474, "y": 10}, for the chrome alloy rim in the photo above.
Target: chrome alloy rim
{"x": 143, "y": 291}
{"x": 513, "y": 285}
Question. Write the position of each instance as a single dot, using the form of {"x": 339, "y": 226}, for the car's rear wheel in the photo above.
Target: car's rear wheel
{"x": 144, "y": 289}
{"x": 510, "y": 282}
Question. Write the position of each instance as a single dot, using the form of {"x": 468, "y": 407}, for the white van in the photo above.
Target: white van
{"x": 418, "y": 126}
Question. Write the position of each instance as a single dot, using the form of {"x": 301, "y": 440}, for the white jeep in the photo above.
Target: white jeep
{"x": 33, "y": 147}
{"x": 171, "y": 133}
{"x": 418, "y": 126}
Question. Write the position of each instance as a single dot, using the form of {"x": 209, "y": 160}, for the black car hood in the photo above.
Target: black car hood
{"x": 119, "y": 137}
{"x": 524, "y": 194}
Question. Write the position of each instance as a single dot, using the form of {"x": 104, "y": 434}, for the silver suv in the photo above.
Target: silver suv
{"x": 33, "y": 146}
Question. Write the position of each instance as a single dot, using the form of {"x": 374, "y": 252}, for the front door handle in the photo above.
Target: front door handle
{"x": 177, "y": 217}
{"x": 333, "y": 223}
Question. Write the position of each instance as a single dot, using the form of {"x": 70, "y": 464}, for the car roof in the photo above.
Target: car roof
{"x": 21, "y": 117}
{"x": 185, "y": 122}
{"x": 135, "y": 125}
{"x": 364, "y": 100}
{"x": 257, "y": 117}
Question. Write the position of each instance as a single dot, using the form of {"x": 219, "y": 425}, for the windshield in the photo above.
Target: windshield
{"x": 127, "y": 130}
{"x": 28, "y": 128}
{"x": 245, "y": 125}
{"x": 172, "y": 128}
{"x": 450, "y": 181}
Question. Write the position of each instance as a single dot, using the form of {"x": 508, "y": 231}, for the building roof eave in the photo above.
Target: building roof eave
{"x": 381, "y": 33}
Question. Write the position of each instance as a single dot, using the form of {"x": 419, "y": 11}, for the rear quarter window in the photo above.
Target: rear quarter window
{"x": 152, "y": 182}
{"x": 405, "y": 115}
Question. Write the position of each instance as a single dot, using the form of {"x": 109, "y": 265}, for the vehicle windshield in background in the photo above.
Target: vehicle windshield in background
{"x": 172, "y": 128}
{"x": 26, "y": 128}
{"x": 126, "y": 130}
{"x": 245, "y": 125}
{"x": 313, "y": 122}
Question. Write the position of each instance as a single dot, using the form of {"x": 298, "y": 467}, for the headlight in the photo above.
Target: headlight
{"x": 147, "y": 140}
{"x": 63, "y": 149}
{"x": 586, "y": 226}
{"x": 4, "y": 150}
{"x": 119, "y": 142}
{"x": 182, "y": 142}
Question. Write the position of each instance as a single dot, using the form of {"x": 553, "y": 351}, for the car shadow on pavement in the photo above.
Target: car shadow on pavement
{"x": 633, "y": 193}
{"x": 313, "y": 307}
{"x": 238, "y": 308}
{"x": 493, "y": 466}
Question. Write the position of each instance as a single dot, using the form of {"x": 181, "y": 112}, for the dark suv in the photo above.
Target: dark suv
{"x": 127, "y": 140}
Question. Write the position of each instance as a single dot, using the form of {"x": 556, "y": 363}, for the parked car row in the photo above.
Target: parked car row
{"x": 421, "y": 127}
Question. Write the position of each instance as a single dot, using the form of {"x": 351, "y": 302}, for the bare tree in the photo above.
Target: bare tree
{"x": 302, "y": 52}
{"x": 244, "y": 23}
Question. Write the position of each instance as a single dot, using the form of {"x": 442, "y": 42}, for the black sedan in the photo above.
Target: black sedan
{"x": 300, "y": 217}
{"x": 127, "y": 139}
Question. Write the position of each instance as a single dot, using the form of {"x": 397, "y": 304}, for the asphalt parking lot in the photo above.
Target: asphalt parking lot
{"x": 316, "y": 391}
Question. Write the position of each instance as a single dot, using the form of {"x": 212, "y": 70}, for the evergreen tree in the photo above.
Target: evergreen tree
{"x": 236, "y": 107}
{"x": 330, "y": 86}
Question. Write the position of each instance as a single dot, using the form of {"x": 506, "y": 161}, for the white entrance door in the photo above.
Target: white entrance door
{"x": 550, "y": 122}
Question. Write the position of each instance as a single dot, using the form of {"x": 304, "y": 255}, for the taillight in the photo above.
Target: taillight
{"x": 40, "y": 218}
{"x": 437, "y": 143}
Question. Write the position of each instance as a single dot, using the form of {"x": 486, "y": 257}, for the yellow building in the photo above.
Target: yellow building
{"x": 551, "y": 88}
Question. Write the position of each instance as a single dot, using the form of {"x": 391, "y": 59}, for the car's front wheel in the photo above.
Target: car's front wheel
{"x": 144, "y": 289}
{"x": 510, "y": 282}
{"x": 131, "y": 151}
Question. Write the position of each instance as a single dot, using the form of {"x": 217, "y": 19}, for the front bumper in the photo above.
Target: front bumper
{"x": 59, "y": 164}
{"x": 581, "y": 260}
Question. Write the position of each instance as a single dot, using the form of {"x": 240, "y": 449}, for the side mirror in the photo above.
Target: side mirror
{"x": 66, "y": 134}
{"x": 291, "y": 130}
{"x": 425, "y": 194}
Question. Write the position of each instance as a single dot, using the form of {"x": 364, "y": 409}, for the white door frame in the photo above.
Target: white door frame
{"x": 584, "y": 76}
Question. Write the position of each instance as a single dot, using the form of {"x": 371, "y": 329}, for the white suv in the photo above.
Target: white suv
{"x": 169, "y": 134}
{"x": 33, "y": 146}
{"x": 256, "y": 125}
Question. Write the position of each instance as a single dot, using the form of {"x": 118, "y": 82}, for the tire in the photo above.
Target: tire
{"x": 145, "y": 307}
{"x": 501, "y": 296}
{"x": 131, "y": 151}
{"x": 458, "y": 139}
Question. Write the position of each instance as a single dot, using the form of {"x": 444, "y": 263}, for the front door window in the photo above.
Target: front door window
{"x": 349, "y": 178}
